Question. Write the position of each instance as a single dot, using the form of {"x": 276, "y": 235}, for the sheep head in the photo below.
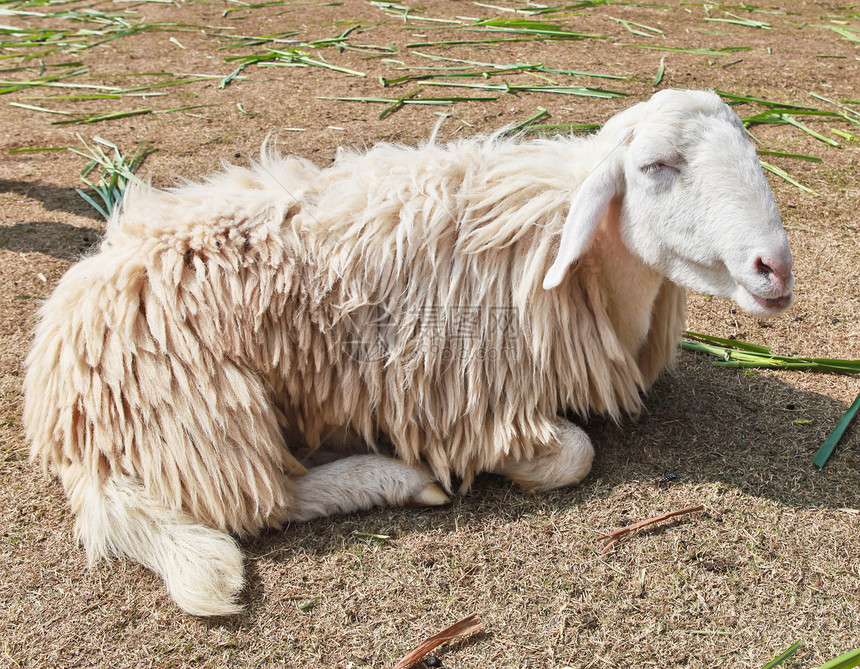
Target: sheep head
{"x": 695, "y": 204}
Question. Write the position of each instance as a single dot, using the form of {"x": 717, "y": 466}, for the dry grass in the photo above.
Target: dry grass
{"x": 772, "y": 559}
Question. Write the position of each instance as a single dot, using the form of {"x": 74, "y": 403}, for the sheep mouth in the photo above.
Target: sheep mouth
{"x": 774, "y": 304}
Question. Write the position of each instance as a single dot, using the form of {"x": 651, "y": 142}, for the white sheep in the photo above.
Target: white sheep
{"x": 449, "y": 301}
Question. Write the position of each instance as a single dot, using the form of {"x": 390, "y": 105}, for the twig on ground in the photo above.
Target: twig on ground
{"x": 617, "y": 534}
{"x": 466, "y": 626}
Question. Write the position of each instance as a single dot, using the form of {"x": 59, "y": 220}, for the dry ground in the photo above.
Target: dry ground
{"x": 774, "y": 559}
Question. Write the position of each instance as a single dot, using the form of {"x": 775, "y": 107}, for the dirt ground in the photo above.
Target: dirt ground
{"x": 775, "y": 557}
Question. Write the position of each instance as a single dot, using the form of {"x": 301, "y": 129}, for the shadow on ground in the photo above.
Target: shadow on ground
{"x": 54, "y": 198}
{"x": 60, "y": 240}
{"x": 702, "y": 424}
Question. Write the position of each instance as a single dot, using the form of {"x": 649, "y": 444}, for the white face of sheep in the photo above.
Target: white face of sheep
{"x": 695, "y": 202}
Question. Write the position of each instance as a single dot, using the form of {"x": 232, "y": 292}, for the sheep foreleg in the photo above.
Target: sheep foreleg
{"x": 362, "y": 482}
{"x": 563, "y": 463}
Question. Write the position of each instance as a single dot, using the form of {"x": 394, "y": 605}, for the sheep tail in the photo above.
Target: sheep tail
{"x": 202, "y": 567}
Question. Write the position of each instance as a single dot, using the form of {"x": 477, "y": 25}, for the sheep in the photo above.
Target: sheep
{"x": 449, "y": 302}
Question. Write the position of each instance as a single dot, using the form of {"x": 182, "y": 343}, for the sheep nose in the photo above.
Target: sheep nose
{"x": 778, "y": 271}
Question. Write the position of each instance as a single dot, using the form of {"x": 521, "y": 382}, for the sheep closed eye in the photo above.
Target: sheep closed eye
{"x": 658, "y": 167}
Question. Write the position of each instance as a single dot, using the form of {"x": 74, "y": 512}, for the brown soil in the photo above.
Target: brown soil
{"x": 772, "y": 560}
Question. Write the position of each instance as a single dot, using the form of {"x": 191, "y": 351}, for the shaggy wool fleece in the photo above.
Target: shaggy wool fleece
{"x": 394, "y": 298}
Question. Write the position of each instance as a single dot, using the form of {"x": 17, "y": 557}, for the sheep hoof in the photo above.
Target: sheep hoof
{"x": 430, "y": 495}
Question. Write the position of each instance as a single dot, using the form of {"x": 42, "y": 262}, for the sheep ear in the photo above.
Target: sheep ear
{"x": 586, "y": 211}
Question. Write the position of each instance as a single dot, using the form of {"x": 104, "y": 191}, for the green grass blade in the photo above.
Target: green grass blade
{"x": 388, "y": 111}
{"x": 162, "y": 84}
{"x": 791, "y": 650}
{"x": 185, "y": 108}
{"x": 820, "y": 459}
{"x": 761, "y": 101}
{"x": 782, "y": 174}
{"x": 116, "y": 172}
{"x": 725, "y": 51}
{"x": 535, "y": 66}
{"x": 660, "y": 71}
{"x": 780, "y": 154}
{"x": 699, "y": 347}
{"x": 415, "y": 101}
{"x": 769, "y": 364}
{"x": 522, "y": 67}
{"x": 95, "y": 205}
{"x": 230, "y": 77}
{"x": 498, "y": 40}
{"x": 541, "y": 113}
{"x": 583, "y": 91}
{"x": 844, "y": 134}
{"x": 847, "y": 33}
{"x": 525, "y": 27}
{"x": 743, "y": 22}
{"x": 781, "y": 115}
{"x": 846, "y": 661}
{"x": 39, "y": 148}
{"x": 809, "y": 131}
{"x": 651, "y": 32}
{"x": 578, "y": 73}
{"x": 850, "y": 366}
{"x": 836, "y": 104}
{"x": 104, "y": 117}
{"x": 734, "y": 343}
{"x": 562, "y": 127}
{"x": 743, "y": 354}
{"x": 39, "y": 109}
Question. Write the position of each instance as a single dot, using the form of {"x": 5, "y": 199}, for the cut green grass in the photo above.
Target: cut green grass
{"x": 782, "y": 657}
{"x": 796, "y": 156}
{"x": 851, "y": 34}
{"x": 54, "y": 82}
{"x": 785, "y": 176}
{"x": 535, "y": 66}
{"x": 661, "y": 71}
{"x": 411, "y": 99}
{"x": 582, "y": 91}
{"x": 45, "y": 110}
{"x": 559, "y": 128}
{"x": 12, "y": 86}
{"x": 38, "y": 149}
{"x": 115, "y": 172}
{"x": 846, "y": 661}
{"x": 484, "y": 42}
{"x": 639, "y": 29}
{"x": 734, "y": 353}
{"x": 772, "y": 104}
{"x": 829, "y": 445}
{"x": 809, "y": 131}
{"x": 734, "y": 19}
{"x": 388, "y": 111}
{"x": 295, "y": 57}
{"x": 534, "y": 28}
{"x": 725, "y": 51}
{"x": 844, "y": 134}
{"x": 48, "y": 41}
{"x": 110, "y": 116}
{"x": 741, "y": 354}
{"x": 517, "y": 68}
{"x": 541, "y": 114}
